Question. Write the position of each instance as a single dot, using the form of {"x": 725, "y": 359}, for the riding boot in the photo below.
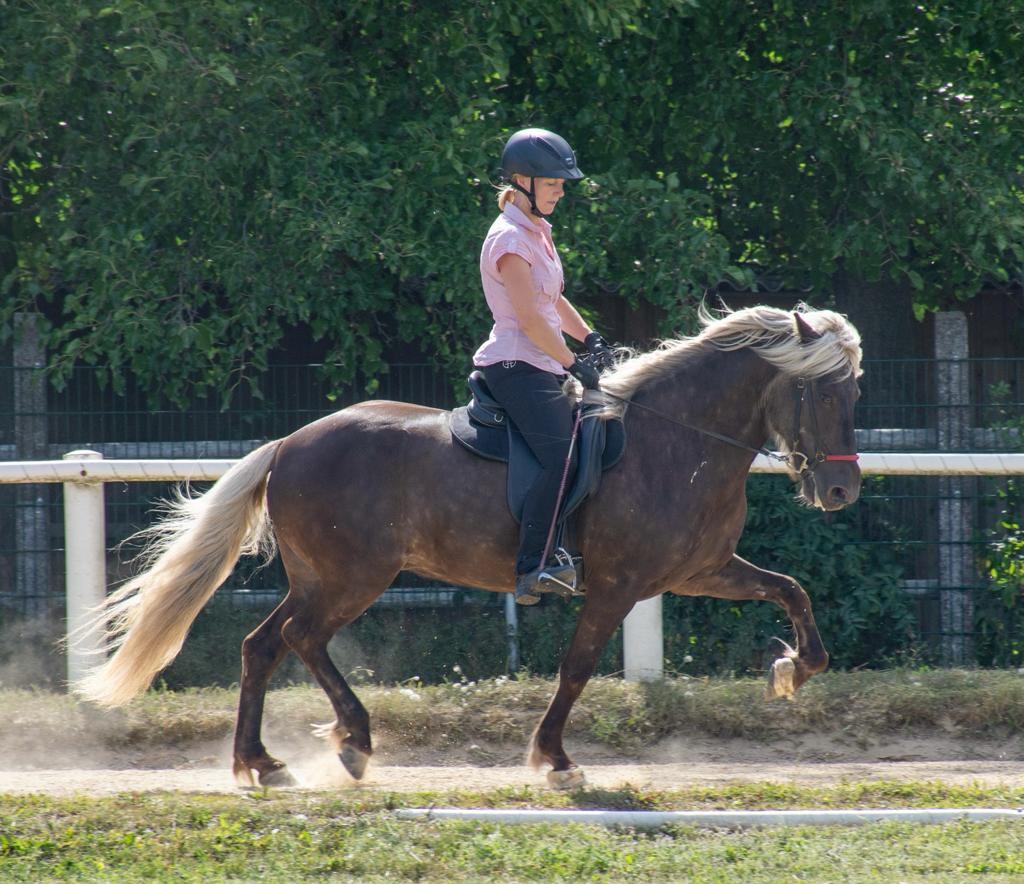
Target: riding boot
{"x": 557, "y": 577}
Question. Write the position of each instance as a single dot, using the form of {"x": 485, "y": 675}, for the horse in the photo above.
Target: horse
{"x": 354, "y": 498}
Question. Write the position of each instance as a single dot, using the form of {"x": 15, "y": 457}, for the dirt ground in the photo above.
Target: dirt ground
{"x": 809, "y": 760}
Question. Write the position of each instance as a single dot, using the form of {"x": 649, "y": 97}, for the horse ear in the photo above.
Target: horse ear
{"x": 804, "y": 330}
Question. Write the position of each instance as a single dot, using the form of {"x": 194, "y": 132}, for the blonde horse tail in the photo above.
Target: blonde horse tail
{"x": 188, "y": 556}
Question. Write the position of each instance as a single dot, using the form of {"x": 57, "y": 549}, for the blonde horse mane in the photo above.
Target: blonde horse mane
{"x": 770, "y": 331}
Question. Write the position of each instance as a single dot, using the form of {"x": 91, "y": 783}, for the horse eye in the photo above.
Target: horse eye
{"x": 826, "y": 398}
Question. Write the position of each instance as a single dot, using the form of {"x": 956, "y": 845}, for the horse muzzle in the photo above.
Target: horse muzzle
{"x": 831, "y": 485}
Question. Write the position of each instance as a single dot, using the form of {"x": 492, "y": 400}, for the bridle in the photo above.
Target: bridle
{"x": 808, "y": 465}
{"x": 820, "y": 457}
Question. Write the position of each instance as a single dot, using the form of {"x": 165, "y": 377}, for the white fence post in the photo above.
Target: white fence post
{"x": 85, "y": 566}
{"x": 512, "y": 632}
{"x": 643, "y": 642}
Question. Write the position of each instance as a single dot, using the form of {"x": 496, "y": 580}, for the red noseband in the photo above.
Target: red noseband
{"x": 842, "y": 457}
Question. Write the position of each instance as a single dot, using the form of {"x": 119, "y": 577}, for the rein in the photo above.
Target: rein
{"x": 808, "y": 466}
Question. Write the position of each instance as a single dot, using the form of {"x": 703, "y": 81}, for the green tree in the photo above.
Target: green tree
{"x": 180, "y": 182}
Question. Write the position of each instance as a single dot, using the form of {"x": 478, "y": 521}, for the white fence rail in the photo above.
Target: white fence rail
{"x": 89, "y": 467}
{"x": 83, "y": 473}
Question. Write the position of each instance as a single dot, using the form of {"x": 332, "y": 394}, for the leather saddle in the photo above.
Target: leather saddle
{"x": 484, "y": 428}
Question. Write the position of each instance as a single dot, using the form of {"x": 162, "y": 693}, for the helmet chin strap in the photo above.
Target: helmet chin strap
{"x": 531, "y": 195}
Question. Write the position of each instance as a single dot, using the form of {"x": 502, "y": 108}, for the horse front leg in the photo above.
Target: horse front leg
{"x": 599, "y": 618}
{"x": 740, "y": 580}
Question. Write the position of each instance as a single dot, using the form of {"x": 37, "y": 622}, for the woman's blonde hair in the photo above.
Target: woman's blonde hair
{"x": 504, "y": 195}
{"x": 507, "y": 191}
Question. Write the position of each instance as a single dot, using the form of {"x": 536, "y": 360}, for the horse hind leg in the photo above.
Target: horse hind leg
{"x": 308, "y": 635}
{"x": 262, "y": 652}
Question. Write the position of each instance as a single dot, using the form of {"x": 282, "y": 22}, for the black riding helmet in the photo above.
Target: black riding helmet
{"x": 538, "y": 153}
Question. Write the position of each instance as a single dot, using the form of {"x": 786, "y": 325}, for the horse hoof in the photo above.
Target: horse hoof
{"x": 354, "y": 761}
{"x": 572, "y": 778}
{"x": 780, "y": 680}
{"x": 278, "y": 776}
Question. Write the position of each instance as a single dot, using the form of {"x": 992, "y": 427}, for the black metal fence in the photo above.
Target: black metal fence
{"x": 88, "y": 413}
{"x": 899, "y": 397}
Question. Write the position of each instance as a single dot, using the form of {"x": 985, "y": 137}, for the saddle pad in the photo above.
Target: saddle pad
{"x": 599, "y": 447}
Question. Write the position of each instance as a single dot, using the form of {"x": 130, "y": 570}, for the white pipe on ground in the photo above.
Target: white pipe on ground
{"x": 717, "y": 819}
{"x": 85, "y": 566}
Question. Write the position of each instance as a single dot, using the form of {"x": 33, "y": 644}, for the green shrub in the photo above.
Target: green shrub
{"x": 998, "y": 611}
{"x": 861, "y": 610}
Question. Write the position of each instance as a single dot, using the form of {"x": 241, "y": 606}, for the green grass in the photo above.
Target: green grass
{"x": 291, "y": 835}
{"x": 282, "y": 836}
{"x": 962, "y": 703}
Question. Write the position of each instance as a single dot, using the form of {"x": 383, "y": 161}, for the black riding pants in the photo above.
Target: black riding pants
{"x": 534, "y": 400}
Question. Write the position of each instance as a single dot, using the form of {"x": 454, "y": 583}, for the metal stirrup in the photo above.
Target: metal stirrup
{"x": 564, "y": 560}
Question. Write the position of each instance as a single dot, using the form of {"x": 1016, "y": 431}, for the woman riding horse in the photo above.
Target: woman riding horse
{"x": 356, "y": 497}
{"x": 525, "y": 358}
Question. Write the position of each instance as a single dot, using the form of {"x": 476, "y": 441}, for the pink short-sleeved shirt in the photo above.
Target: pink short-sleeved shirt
{"x": 513, "y": 233}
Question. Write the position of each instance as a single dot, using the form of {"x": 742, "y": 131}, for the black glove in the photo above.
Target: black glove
{"x": 586, "y": 373}
{"x": 601, "y": 353}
